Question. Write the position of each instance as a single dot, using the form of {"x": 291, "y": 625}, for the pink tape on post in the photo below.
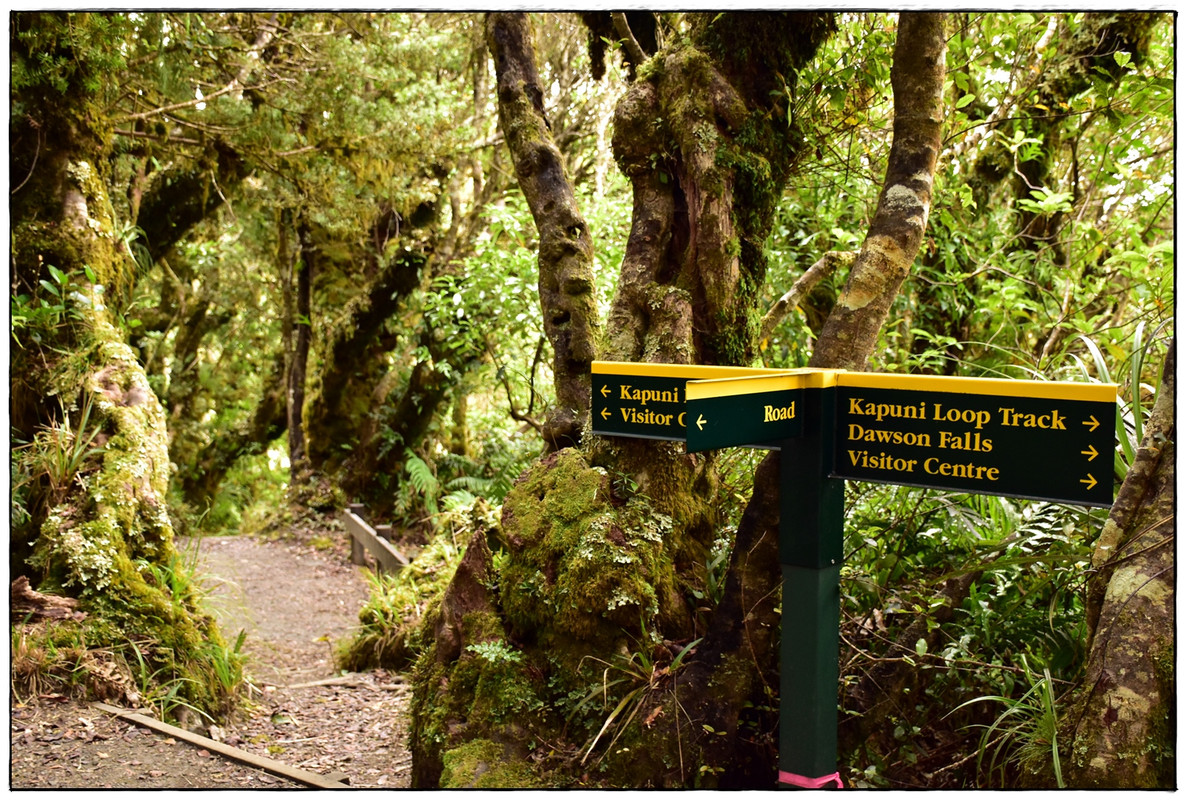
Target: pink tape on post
{"x": 810, "y": 783}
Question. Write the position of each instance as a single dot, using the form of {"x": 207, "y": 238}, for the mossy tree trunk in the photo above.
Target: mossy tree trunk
{"x": 343, "y": 379}
{"x": 603, "y": 545}
{"x": 99, "y": 466}
{"x": 566, "y": 288}
{"x": 362, "y": 414}
{"x": 1119, "y": 729}
{"x": 746, "y": 618}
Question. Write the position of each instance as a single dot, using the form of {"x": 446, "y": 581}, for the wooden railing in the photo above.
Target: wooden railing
{"x": 374, "y": 541}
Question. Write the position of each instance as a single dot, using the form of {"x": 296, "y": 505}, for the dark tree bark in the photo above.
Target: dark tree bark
{"x": 1119, "y": 730}
{"x": 409, "y": 409}
{"x": 201, "y": 480}
{"x": 328, "y": 423}
{"x": 176, "y": 203}
{"x": 298, "y": 366}
{"x": 566, "y": 285}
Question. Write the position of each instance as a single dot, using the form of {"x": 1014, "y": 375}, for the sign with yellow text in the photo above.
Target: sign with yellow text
{"x": 647, "y": 400}
{"x": 750, "y": 412}
{"x": 1032, "y": 439}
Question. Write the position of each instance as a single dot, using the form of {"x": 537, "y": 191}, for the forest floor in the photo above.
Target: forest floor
{"x": 295, "y": 601}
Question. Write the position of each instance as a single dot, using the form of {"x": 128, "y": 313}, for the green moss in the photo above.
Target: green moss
{"x": 483, "y": 764}
{"x": 580, "y": 566}
{"x": 503, "y": 690}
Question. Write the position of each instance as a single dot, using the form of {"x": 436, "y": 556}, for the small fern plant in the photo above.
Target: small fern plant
{"x": 422, "y": 479}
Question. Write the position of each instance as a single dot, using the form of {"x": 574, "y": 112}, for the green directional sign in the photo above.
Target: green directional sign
{"x": 1045, "y": 441}
{"x": 648, "y": 400}
{"x": 748, "y": 412}
{"x": 1031, "y": 439}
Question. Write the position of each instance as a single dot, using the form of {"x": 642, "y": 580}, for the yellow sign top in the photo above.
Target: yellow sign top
{"x": 783, "y": 380}
{"x": 716, "y": 381}
{"x": 1001, "y": 387}
{"x": 678, "y": 371}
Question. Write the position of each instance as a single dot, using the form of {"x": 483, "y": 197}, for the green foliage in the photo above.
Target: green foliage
{"x": 1049, "y": 255}
{"x": 44, "y": 470}
{"x": 422, "y": 480}
{"x": 1023, "y": 609}
{"x": 496, "y": 652}
{"x": 63, "y": 53}
{"x": 1025, "y": 733}
{"x": 254, "y": 488}
{"x": 641, "y": 679}
{"x": 1136, "y": 397}
{"x": 35, "y": 320}
{"x": 389, "y": 633}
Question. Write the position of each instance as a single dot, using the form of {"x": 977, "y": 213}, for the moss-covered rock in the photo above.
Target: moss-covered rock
{"x": 483, "y": 764}
{"x": 470, "y": 681}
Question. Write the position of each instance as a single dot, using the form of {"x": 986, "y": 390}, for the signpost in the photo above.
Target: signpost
{"x": 1031, "y": 439}
{"x": 646, "y": 401}
{"x": 746, "y": 412}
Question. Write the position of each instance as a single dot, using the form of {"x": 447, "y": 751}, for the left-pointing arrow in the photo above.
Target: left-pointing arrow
{"x": 700, "y": 422}
{"x": 1090, "y": 452}
{"x": 605, "y": 391}
{"x": 605, "y": 413}
{"x": 1089, "y": 480}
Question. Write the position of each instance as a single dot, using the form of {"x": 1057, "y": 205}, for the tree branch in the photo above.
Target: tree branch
{"x": 896, "y": 233}
{"x": 566, "y": 286}
{"x": 807, "y": 281}
{"x": 633, "y": 49}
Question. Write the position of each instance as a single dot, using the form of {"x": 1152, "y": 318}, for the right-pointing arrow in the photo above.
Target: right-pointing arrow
{"x": 1093, "y": 424}
{"x": 1090, "y": 452}
{"x": 700, "y": 422}
{"x": 1089, "y": 480}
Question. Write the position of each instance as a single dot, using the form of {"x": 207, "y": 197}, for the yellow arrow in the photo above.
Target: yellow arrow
{"x": 1091, "y": 426}
{"x": 605, "y": 391}
{"x": 1090, "y": 481}
{"x": 1090, "y": 452}
{"x": 700, "y": 422}
{"x": 605, "y": 413}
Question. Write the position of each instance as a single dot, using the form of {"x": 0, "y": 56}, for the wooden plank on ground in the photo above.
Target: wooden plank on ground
{"x": 385, "y": 554}
{"x": 262, "y": 762}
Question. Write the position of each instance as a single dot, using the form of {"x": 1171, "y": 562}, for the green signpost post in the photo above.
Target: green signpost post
{"x": 1031, "y": 439}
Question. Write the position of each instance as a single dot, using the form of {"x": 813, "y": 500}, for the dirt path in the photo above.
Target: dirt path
{"x": 294, "y": 602}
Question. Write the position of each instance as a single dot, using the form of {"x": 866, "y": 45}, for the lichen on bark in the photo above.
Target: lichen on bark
{"x": 1117, "y": 729}
{"x": 98, "y": 528}
{"x": 896, "y": 231}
